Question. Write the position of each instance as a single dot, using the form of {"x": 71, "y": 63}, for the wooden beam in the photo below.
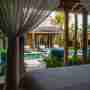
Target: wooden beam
{"x": 85, "y": 39}
{"x": 66, "y": 37}
{"x": 68, "y": 4}
{"x": 12, "y": 63}
{"x": 75, "y": 35}
{"x": 21, "y": 53}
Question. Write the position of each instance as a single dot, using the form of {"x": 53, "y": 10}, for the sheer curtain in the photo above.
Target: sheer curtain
{"x": 16, "y": 18}
{"x": 19, "y": 16}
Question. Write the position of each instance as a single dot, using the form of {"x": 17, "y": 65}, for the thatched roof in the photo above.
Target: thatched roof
{"x": 48, "y": 26}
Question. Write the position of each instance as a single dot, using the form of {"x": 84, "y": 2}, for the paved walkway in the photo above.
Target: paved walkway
{"x": 67, "y": 78}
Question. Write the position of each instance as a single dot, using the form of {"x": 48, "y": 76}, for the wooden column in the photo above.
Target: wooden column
{"x": 48, "y": 40}
{"x": 12, "y": 62}
{"x": 21, "y": 54}
{"x": 29, "y": 41}
{"x": 75, "y": 35}
{"x": 51, "y": 36}
{"x": 33, "y": 39}
{"x": 85, "y": 35}
{"x": 66, "y": 37}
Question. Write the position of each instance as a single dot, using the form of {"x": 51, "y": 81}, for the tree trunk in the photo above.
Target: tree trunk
{"x": 66, "y": 38}
{"x": 12, "y": 63}
{"x": 33, "y": 39}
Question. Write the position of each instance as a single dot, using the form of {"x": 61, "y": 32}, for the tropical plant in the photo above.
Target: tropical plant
{"x": 53, "y": 61}
{"x": 74, "y": 60}
{"x": 59, "y": 20}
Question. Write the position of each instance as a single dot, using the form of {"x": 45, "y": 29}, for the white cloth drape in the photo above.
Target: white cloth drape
{"x": 19, "y": 16}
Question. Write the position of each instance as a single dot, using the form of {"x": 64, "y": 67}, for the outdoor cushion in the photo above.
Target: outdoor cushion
{"x": 58, "y": 52}
{"x": 67, "y": 78}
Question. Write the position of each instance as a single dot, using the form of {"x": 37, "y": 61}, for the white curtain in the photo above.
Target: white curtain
{"x": 18, "y": 16}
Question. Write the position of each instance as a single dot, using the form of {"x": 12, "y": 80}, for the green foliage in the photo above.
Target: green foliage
{"x": 59, "y": 18}
{"x": 88, "y": 55}
{"x": 59, "y": 62}
{"x": 3, "y": 50}
{"x": 73, "y": 48}
{"x": 3, "y": 56}
{"x": 54, "y": 62}
{"x": 74, "y": 60}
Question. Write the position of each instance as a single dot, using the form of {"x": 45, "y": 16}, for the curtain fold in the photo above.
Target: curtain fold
{"x": 20, "y": 16}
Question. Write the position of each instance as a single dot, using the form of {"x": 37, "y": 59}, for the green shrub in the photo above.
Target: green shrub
{"x": 3, "y": 62}
{"x": 74, "y": 60}
{"x": 54, "y": 61}
{"x": 88, "y": 55}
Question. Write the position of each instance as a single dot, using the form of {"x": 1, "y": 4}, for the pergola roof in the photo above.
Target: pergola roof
{"x": 49, "y": 29}
{"x": 68, "y": 3}
{"x": 48, "y": 26}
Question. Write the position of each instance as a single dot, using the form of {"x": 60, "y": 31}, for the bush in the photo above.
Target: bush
{"x": 88, "y": 55}
{"x": 59, "y": 62}
{"x": 3, "y": 58}
{"x": 3, "y": 61}
{"x": 74, "y": 60}
{"x": 54, "y": 61}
